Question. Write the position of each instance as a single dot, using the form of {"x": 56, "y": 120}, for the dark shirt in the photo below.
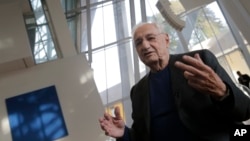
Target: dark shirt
{"x": 165, "y": 122}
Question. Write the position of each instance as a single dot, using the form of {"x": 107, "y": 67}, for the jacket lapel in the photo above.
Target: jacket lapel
{"x": 175, "y": 78}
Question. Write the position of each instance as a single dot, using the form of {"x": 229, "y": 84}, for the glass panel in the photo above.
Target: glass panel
{"x": 109, "y": 27}
{"x": 245, "y": 42}
{"x": 97, "y": 35}
{"x": 72, "y": 27}
{"x": 44, "y": 49}
{"x": 103, "y": 28}
{"x": 83, "y": 32}
{"x": 175, "y": 45}
{"x": 38, "y": 11}
{"x": 121, "y": 16}
{"x": 107, "y": 74}
{"x": 233, "y": 58}
{"x": 94, "y": 1}
{"x": 75, "y": 11}
{"x": 152, "y": 12}
{"x": 138, "y": 18}
{"x": 209, "y": 30}
{"x": 69, "y": 5}
{"x": 227, "y": 43}
{"x": 127, "y": 17}
{"x": 42, "y": 43}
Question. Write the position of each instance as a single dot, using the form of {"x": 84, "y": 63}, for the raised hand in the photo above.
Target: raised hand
{"x": 201, "y": 77}
{"x": 113, "y": 126}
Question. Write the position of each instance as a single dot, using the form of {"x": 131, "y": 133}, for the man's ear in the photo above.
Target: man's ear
{"x": 167, "y": 39}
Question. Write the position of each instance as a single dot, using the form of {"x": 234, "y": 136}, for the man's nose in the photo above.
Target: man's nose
{"x": 145, "y": 44}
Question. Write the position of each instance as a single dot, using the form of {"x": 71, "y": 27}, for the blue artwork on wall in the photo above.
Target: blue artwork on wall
{"x": 36, "y": 116}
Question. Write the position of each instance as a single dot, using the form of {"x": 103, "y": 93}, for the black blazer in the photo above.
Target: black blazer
{"x": 204, "y": 117}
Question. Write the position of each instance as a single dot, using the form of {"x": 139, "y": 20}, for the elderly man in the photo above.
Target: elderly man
{"x": 184, "y": 97}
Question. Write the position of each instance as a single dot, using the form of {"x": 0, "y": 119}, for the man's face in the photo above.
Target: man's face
{"x": 151, "y": 45}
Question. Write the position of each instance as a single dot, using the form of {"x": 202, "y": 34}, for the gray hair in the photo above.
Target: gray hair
{"x": 158, "y": 26}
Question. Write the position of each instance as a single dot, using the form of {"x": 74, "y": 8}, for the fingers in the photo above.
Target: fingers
{"x": 113, "y": 126}
{"x": 197, "y": 56}
{"x": 200, "y": 76}
{"x": 105, "y": 123}
{"x": 194, "y": 66}
{"x": 105, "y": 120}
{"x": 107, "y": 116}
{"x": 188, "y": 75}
{"x": 190, "y": 70}
{"x": 117, "y": 113}
{"x": 194, "y": 61}
{"x": 195, "y": 71}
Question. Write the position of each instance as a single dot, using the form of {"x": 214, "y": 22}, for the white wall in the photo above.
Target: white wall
{"x": 80, "y": 102}
{"x": 246, "y": 5}
{"x": 14, "y": 42}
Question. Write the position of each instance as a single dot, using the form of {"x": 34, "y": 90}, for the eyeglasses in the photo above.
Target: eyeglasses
{"x": 148, "y": 37}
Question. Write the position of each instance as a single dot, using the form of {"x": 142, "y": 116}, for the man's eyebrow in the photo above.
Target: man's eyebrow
{"x": 149, "y": 34}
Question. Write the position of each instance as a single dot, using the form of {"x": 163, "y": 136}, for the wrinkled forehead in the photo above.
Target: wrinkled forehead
{"x": 144, "y": 30}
